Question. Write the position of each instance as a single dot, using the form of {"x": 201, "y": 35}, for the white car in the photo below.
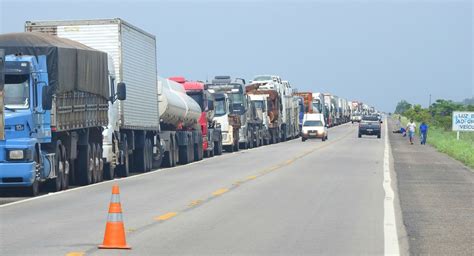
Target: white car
{"x": 314, "y": 127}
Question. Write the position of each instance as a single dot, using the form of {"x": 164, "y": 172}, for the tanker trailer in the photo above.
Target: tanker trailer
{"x": 180, "y": 134}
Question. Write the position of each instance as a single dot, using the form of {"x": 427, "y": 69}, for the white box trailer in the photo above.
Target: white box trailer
{"x": 134, "y": 56}
{"x": 135, "y": 122}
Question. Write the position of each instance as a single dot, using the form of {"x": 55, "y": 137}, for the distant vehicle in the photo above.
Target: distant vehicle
{"x": 356, "y": 118}
{"x": 314, "y": 127}
{"x": 370, "y": 125}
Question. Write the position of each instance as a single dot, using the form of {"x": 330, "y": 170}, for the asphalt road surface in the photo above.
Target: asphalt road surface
{"x": 291, "y": 198}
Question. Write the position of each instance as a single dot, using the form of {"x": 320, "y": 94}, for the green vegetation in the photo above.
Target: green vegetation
{"x": 438, "y": 117}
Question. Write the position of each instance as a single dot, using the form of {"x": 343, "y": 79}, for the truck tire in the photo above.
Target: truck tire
{"x": 67, "y": 169}
{"x": 124, "y": 169}
{"x": 379, "y": 135}
{"x": 55, "y": 184}
{"x": 33, "y": 190}
{"x": 140, "y": 158}
{"x": 99, "y": 163}
{"x": 197, "y": 151}
{"x": 229, "y": 148}
{"x": 149, "y": 154}
{"x": 109, "y": 171}
{"x": 184, "y": 153}
{"x": 83, "y": 162}
{"x": 303, "y": 139}
{"x": 168, "y": 156}
{"x": 94, "y": 163}
{"x": 360, "y": 135}
{"x": 218, "y": 148}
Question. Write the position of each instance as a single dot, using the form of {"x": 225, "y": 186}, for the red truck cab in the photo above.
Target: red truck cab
{"x": 196, "y": 90}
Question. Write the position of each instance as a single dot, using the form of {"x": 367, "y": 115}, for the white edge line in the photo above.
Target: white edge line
{"x": 391, "y": 245}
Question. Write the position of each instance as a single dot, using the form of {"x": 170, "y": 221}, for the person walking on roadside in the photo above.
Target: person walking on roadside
{"x": 411, "y": 128}
{"x": 423, "y": 132}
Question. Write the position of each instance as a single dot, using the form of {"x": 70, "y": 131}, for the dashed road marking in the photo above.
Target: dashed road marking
{"x": 75, "y": 254}
{"x": 251, "y": 177}
{"x": 220, "y": 191}
{"x": 166, "y": 216}
{"x": 195, "y": 203}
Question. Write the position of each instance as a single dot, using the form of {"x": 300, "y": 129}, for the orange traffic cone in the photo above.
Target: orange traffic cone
{"x": 114, "y": 237}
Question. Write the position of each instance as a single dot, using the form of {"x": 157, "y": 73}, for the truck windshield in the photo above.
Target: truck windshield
{"x": 262, "y": 78}
{"x": 236, "y": 98}
{"x": 313, "y": 123}
{"x": 317, "y": 106}
{"x": 198, "y": 98}
{"x": 258, "y": 104}
{"x": 17, "y": 91}
{"x": 220, "y": 108}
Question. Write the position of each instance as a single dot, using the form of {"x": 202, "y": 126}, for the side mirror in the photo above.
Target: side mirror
{"x": 47, "y": 97}
{"x": 121, "y": 91}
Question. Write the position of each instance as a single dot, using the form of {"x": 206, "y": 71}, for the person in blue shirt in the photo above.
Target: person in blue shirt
{"x": 423, "y": 133}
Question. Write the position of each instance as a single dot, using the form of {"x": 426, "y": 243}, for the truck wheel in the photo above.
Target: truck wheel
{"x": 84, "y": 165}
{"x": 139, "y": 158}
{"x": 360, "y": 135}
{"x": 379, "y": 135}
{"x": 184, "y": 153}
{"x": 95, "y": 169}
{"x": 149, "y": 154}
{"x": 109, "y": 171}
{"x": 303, "y": 139}
{"x": 218, "y": 148}
{"x": 191, "y": 151}
{"x": 229, "y": 148}
{"x": 99, "y": 163}
{"x": 196, "y": 152}
{"x": 168, "y": 157}
{"x": 124, "y": 169}
{"x": 55, "y": 184}
{"x": 67, "y": 169}
{"x": 33, "y": 190}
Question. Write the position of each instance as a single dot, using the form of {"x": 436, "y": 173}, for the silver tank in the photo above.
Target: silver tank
{"x": 175, "y": 106}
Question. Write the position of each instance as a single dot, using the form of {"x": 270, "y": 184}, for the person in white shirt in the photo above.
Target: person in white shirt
{"x": 411, "y": 128}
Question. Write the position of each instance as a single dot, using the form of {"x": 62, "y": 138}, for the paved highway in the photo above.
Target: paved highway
{"x": 291, "y": 198}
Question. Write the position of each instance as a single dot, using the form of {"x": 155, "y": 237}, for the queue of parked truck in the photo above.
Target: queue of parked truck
{"x": 81, "y": 101}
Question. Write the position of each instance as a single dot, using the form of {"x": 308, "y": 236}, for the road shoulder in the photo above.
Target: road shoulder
{"x": 435, "y": 193}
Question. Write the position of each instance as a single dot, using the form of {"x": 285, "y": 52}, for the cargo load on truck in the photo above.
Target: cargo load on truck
{"x": 71, "y": 66}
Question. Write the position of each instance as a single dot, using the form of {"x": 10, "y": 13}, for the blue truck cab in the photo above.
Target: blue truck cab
{"x": 26, "y": 122}
{"x": 54, "y": 104}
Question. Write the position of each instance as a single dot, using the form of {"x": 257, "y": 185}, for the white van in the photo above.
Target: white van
{"x": 314, "y": 127}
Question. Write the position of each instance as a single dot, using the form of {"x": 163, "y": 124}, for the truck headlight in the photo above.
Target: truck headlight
{"x": 16, "y": 154}
{"x": 20, "y": 154}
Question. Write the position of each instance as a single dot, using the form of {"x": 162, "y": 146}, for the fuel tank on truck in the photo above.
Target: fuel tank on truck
{"x": 175, "y": 106}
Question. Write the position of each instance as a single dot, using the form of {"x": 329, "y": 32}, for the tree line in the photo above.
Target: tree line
{"x": 438, "y": 114}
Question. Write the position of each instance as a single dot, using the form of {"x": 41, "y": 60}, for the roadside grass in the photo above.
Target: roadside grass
{"x": 446, "y": 142}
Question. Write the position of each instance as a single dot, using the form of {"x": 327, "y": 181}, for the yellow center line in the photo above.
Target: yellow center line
{"x": 195, "y": 203}
{"x": 76, "y": 254}
{"x": 166, "y": 216}
{"x": 220, "y": 191}
{"x": 251, "y": 177}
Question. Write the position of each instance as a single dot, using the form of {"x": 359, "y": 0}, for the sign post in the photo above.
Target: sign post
{"x": 463, "y": 122}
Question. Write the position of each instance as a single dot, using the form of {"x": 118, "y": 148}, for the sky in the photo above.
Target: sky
{"x": 378, "y": 52}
